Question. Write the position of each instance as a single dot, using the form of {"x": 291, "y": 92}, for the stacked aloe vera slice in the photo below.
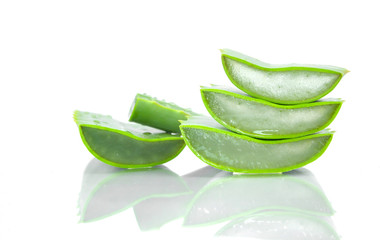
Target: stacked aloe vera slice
{"x": 275, "y": 120}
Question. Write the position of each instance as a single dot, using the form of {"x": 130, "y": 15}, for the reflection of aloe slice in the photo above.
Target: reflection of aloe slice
{"x": 157, "y": 113}
{"x": 153, "y": 213}
{"x": 285, "y": 84}
{"x": 107, "y": 190}
{"x": 239, "y": 195}
{"x": 127, "y": 145}
{"x": 229, "y": 151}
{"x": 280, "y": 225}
{"x": 241, "y": 113}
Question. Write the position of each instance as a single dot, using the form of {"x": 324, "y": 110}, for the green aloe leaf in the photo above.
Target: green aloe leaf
{"x": 284, "y": 84}
{"x": 230, "y": 151}
{"x": 254, "y": 117}
{"x": 126, "y": 145}
{"x": 280, "y": 225}
{"x": 156, "y": 113}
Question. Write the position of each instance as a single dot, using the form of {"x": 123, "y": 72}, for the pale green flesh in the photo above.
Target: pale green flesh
{"x": 233, "y": 152}
{"x": 126, "y": 144}
{"x": 262, "y": 119}
{"x": 295, "y": 85}
{"x": 106, "y": 121}
{"x": 286, "y": 84}
{"x": 280, "y": 225}
{"x": 120, "y": 149}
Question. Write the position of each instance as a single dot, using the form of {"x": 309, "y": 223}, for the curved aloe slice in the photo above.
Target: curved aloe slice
{"x": 280, "y": 225}
{"x": 107, "y": 190}
{"x": 285, "y": 84}
{"x": 240, "y": 195}
{"x": 156, "y": 113}
{"x": 241, "y": 113}
{"x": 126, "y": 145}
{"x": 230, "y": 151}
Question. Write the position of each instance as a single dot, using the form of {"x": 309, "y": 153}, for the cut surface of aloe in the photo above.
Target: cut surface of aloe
{"x": 284, "y": 84}
{"x": 156, "y": 113}
{"x": 230, "y": 151}
{"x": 241, "y": 113}
{"x": 126, "y": 145}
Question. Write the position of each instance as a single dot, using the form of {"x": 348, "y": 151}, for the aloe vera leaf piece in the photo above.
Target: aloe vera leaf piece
{"x": 284, "y": 84}
{"x": 258, "y": 118}
{"x": 240, "y": 195}
{"x": 280, "y": 225}
{"x": 156, "y": 113}
{"x": 108, "y": 190}
{"x": 229, "y": 151}
{"x": 153, "y": 213}
{"x": 126, "y": 145}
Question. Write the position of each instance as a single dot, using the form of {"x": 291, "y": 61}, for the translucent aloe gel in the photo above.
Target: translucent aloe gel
{"x": 229, "y": 151}
{"x": 126, "y": 145}
{"x": 258, "y": 118}
{"x": 283, "y": 84}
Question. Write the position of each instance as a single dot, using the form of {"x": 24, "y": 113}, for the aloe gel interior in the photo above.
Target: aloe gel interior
{"x": 284, "y": 84}
{"x": 243, "y": 114}
{"x": 230, "y": 151}
{"x": 126, "y": 145}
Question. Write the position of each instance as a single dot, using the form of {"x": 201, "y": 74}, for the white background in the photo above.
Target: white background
{"x": 59, "y": 56}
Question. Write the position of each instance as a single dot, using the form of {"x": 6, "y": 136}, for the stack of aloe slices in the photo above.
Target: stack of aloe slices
{"x": 274, "y": 122}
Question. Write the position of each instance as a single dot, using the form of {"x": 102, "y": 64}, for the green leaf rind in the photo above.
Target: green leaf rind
{"x": 145, "y": 110}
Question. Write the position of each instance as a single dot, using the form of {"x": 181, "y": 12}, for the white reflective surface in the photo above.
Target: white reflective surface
{"x": 59, "y": 56}
{"x": 287, "y": 206}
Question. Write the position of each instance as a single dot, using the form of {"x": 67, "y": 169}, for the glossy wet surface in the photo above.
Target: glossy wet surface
{"x": 295, "y": 85}
{"x": 266, "y": 121}
{"x": 290, "y": 204}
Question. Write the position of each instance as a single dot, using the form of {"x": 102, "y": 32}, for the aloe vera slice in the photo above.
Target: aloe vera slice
{"x": 241, "y": 113}
{"x": 284, "y": 84}
{"x": 240, "y": 195}
{"x": 108, "y": 190}
{"x": 126, "y": 145}
{"x": 280, "y": 225}
{"x": 230, "y": 151}
{"x": 156, "y": 113}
